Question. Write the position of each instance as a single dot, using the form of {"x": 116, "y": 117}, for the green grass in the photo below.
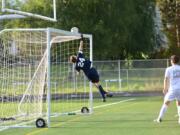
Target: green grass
{"x": 125, "y": 118}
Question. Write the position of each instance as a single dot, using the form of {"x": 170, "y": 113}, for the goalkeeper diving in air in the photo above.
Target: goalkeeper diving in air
{"x": 81, "y": 63}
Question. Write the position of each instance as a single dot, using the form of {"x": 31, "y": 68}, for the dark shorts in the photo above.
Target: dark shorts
{"x": 93, "y": 76}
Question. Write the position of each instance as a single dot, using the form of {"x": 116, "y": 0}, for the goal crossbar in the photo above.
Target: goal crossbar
{"x": 11, "y": 16}
{"x": 23, "y": 14}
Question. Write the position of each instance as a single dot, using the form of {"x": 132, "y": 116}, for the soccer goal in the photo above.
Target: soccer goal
{"x": 37, "y": 80}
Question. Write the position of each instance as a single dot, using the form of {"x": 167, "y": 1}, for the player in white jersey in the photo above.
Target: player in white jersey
{"x": 171, "y": 87}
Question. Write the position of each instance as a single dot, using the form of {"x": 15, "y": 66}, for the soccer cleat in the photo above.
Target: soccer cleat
{"x": 104, "y": 100}
{"x": 158, "y": 120}
{"x": 109, "y": 95}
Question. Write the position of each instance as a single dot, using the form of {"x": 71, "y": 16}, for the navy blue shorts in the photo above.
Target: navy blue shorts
{"x": 93, "y": 76}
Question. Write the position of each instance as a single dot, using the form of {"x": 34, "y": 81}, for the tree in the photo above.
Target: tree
{"x": 121, "y": 29}
{"x": 170, "y": 10}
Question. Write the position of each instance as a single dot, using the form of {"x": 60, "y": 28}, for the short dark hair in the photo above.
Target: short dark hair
{"x": 175, "y": 59}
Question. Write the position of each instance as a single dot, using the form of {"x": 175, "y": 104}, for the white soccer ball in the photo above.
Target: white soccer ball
{"x": 74, "y": 30}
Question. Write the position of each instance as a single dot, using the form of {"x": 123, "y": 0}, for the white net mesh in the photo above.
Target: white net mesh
{"x": 23, "y": 76}
{"x": 70, "y": 91}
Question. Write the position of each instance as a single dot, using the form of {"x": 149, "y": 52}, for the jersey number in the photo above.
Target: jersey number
{"x": 81, "y": 62}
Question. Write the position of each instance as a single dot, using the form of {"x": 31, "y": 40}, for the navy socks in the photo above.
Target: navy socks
{"x": 102, "y": 92}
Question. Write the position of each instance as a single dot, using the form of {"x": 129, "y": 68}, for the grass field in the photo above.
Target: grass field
{"x": 118, "y": 116}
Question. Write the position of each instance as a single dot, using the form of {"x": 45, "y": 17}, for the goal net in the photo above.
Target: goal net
{"x": 37, "y": 80}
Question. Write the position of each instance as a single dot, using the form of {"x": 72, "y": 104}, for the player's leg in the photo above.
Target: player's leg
{"x": 178, "y": 109}
{"x": 163, "y": 111}
{"x": 178, "y": 104}
{"x": 168, "y": 98}
{"x": 93, "y": 76}
{"x": 101, "y": 91}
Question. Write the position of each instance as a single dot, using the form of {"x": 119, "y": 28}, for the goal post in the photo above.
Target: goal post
{"x": 37, "y": 80}
{"x": 19, "y": 13}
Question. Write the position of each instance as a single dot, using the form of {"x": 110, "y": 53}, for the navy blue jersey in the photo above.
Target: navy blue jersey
{"x": 85, "y": 65}
{"x": 82, "y": 63}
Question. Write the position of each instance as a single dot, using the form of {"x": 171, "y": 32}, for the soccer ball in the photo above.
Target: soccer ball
{"x": 74, "y": 30}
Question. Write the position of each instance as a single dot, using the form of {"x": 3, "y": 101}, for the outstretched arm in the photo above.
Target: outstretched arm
{"x": 81, "y": 44}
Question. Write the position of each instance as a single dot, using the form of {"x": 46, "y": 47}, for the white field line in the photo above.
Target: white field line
{"x": 96, "y": 107}
{"x": 99, "y": 106}
{"x": 17, "y": 126}
{"x": 2, "y": 129}
{"x": 122, "y": 101}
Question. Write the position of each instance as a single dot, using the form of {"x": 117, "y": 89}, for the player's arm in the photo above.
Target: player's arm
{"x": 81, "y": 44}
{"x": 166, "y": 81}
{"x": 77, "y": 72}
{"x": 166, "y": 85}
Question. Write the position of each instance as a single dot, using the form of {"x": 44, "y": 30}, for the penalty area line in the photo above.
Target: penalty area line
{"x": 114, "y": 103}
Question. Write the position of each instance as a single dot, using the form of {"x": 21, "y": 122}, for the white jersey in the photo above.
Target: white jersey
{"x": 173, "y": 73}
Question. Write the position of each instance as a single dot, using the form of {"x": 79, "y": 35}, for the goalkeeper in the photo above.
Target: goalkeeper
{"x": 81, "y": 63}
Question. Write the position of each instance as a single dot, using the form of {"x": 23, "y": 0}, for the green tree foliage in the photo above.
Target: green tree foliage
{"x": 41, "y": 7}
{"x": 170, "y": 10}
{"x": 121, "y": 29}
